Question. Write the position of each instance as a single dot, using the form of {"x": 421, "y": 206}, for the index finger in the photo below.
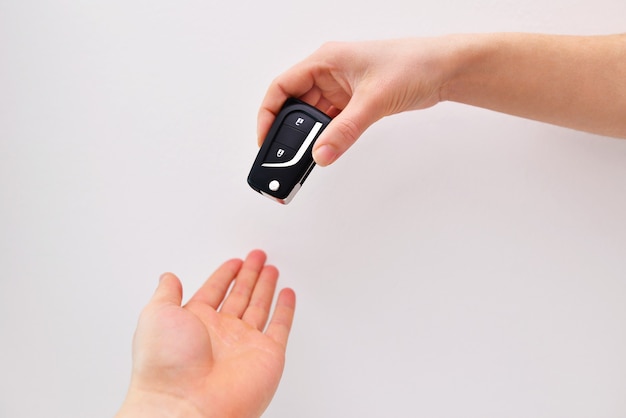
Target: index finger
{"x": 295, "y": 82}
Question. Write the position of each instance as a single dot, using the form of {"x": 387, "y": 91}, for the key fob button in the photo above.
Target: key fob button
{"x": 274, "y": 185}
{"x": 300, "y": 121}
{"x": 279, "y": 153}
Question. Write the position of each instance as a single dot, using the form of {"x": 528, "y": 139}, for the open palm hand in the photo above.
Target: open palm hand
{"x": 214, "y": 356}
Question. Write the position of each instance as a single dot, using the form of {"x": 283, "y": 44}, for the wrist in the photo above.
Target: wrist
{"x": 466, "y": 64}
{"x": 139, "y": 404}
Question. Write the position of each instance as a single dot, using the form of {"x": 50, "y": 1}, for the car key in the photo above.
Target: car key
{"x": 285, "y": 158}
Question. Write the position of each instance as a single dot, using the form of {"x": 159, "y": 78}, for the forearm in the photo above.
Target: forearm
{"x": 573, "y": 81}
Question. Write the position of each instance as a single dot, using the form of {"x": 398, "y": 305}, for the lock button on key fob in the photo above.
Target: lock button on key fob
{"x": 285, "y": 158}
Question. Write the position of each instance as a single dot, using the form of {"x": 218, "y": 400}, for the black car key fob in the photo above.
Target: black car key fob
{"x": 285, "y": 158}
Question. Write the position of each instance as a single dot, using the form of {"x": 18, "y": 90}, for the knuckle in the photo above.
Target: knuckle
{"x": 331, "y": 48}
{"x": 329, "y": 45}
{"x": 348, "y": 130}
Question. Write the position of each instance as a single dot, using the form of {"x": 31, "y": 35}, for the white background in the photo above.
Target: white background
{"x": 455, "y": 263}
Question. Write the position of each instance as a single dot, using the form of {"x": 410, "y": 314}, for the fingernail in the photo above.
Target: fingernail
{"x": 325, "y": 154}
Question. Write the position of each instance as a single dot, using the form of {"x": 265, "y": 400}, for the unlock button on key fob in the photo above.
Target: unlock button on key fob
{"x": 279, "y": 153}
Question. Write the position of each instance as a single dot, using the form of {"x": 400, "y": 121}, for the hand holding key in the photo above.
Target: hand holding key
{"x": 572, "y": 81}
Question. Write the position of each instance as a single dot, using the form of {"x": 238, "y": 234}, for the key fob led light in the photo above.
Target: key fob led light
{"x": 285, "y": 158}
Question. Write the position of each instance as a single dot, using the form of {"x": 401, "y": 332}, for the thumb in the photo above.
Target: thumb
{"x": 344, "y": 130}
{"x": 169, "y": 291}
